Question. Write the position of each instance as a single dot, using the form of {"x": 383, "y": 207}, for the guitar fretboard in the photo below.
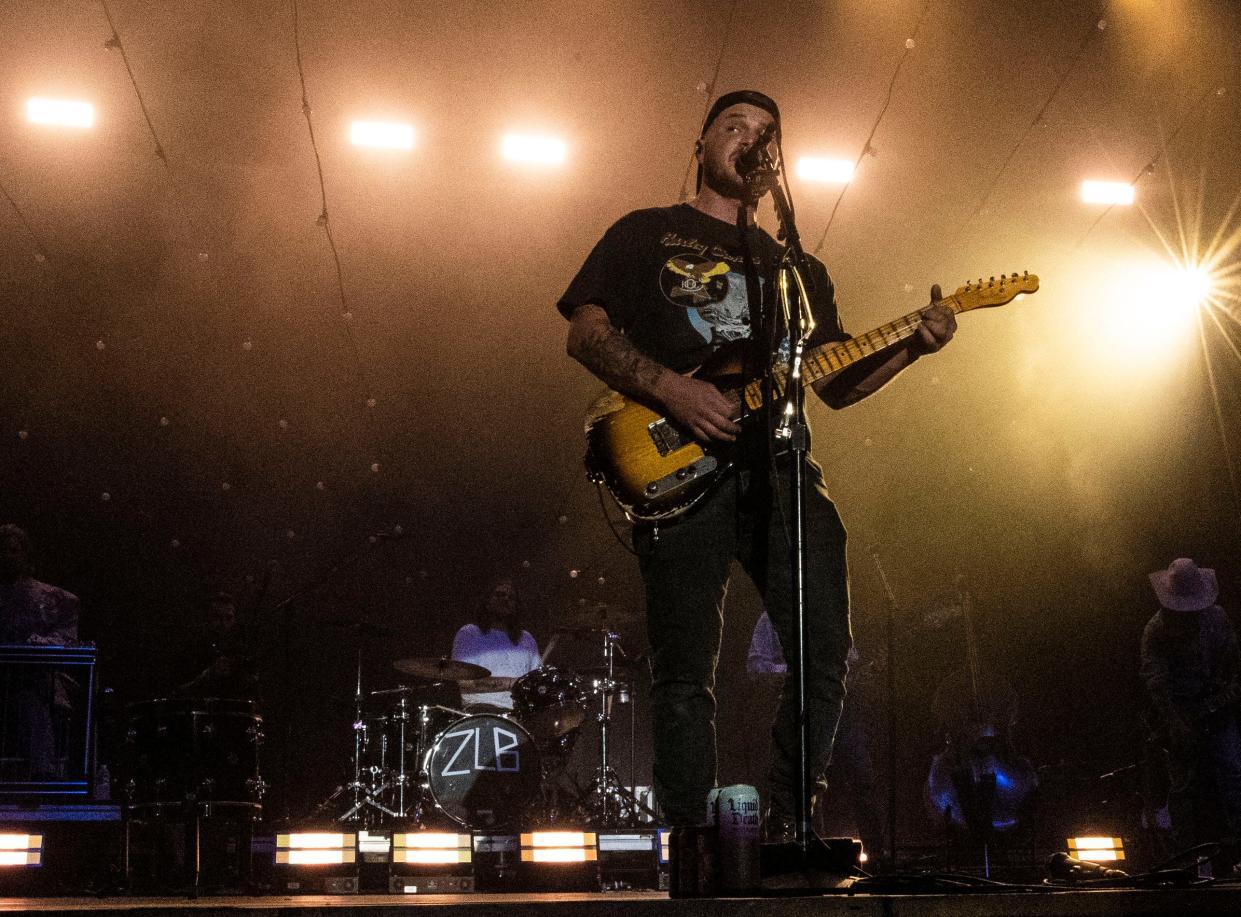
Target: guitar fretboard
{"x": 829, "y": 359}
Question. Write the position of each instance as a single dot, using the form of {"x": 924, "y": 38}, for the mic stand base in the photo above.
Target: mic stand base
{"x": 820, "y": 865}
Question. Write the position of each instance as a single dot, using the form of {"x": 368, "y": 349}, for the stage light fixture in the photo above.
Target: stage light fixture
{"x": 1097, "y": 849}
{"x": 431, "y": 863}
{"x": 21, "y": 849}
{"x": 1143, "y": 312}
{"x": 317, "y": 862}
{"x": 558, "y": 847}
{"x": 385, "y": 135}
{"x": 60, "y": 112}
{"x": 534, "y": 149}
{"x": 426, "y": 848}
{"x": 316, "y": 848}
{"x": 1107, "y": 192}
{"x": 825, "y": 171}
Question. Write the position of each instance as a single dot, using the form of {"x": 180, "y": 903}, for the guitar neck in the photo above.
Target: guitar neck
{"x": 828, "y": 359}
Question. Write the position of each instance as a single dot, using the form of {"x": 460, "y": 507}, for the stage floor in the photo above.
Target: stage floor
{"x": 1219, "y": 900}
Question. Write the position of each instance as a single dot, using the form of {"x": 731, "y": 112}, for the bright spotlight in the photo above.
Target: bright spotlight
{"x": 385, "y": 135}
{"x": 1107, "y": 192}
{"x": 530, "y": 148}
{"x": 1144, "y": 312}
{"x": 60, "y": 112}
{"x": 825, "y": 171}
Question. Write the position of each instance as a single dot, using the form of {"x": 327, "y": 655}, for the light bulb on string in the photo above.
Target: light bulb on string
{"x": 290, "y": 534}
{"x": 283, "y": 424}
{"x": 226, "y": 487}
{"x": 175, "y": 543}
{"x": 163, "y": 421}
{"x": 375, "y": 467}
{"x": 100, "y": 345}
{"x": 573, "y": 574}
{"x": 105, "y": 496}
{"x": 23, "y": 435}
{"x": 203, "y": 256}
{"x": 347, "y": 315}
{"x": 371, "y": 402}
{"x": 320, "y": 485}
{"x": 247, "y": 345}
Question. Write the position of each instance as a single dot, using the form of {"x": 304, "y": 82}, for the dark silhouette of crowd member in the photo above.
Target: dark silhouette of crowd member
{"x": 219, "y": 661}
{"x": 1192, "y": 672}
{"x": 37, "y": 614}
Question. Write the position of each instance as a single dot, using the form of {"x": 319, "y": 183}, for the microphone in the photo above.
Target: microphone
{"x": 755, "y": 157}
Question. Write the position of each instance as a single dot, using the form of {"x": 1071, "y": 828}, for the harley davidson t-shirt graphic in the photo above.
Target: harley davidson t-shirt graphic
{"x": 673, "y": 280}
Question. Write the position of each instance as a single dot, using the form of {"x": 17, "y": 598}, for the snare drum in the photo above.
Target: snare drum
{"x": 484, "y": 771}
{"x": 549, "y": 702}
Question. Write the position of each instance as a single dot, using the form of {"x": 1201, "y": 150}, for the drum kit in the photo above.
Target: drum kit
{"x": 420, "y": 755}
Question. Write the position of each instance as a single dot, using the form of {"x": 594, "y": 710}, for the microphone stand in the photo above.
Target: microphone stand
{"x": 808, "y": 855}
{"x": 889, "y": 861}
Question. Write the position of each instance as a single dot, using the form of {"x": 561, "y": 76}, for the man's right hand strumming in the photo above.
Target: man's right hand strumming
{"x": 698, "y": 406}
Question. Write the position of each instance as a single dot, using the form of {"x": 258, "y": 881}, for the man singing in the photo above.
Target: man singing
{"x": 661, "y": 291}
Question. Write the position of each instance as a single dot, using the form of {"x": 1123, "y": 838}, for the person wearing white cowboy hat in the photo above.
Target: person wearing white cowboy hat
{"x": 1192, "y": 670}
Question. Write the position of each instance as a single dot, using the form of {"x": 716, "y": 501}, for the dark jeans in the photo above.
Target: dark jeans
{"x": 685, "y": 570}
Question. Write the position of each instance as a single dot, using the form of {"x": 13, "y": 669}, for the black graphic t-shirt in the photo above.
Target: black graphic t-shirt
{"x": 672, "y": 279}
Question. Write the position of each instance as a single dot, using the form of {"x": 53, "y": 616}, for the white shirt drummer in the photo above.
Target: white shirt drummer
{"x": 495, "y": 651}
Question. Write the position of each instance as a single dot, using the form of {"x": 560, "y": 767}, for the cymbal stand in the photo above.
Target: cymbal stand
{"x": 363, "y": 793}
{"x": 608, "y": 803}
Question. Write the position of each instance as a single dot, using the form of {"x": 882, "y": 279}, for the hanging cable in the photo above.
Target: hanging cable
{"x": 866, "y": 147}
{"x": 1098, "y": 25}
{"x": 325, "y": 221}
{"x": 710, "y": 94}
{"x": 1149, "y": 168}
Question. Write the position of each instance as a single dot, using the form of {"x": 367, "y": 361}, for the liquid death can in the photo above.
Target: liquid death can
{"x": 736, "y": 817}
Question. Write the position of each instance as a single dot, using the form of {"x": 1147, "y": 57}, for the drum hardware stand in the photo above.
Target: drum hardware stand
{"x": 607, "y": 797}
{"x": 363, "y": 793}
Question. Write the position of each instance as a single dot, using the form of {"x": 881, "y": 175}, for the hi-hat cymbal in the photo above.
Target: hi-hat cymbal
{"x": 362, "y": 629}
{"x": 437, "y": 668}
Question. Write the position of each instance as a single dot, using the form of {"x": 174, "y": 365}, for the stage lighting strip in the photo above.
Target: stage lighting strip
{"x": 559, "y": 847}
{"x": 431, "y": 848}
{"x": 315, "y": 849}
{"x": 21, "y": 849}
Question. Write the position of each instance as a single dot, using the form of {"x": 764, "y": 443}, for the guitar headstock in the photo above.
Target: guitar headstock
{"x": 996, "y": 291}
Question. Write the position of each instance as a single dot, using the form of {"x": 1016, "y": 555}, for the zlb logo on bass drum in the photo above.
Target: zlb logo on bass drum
{"x": 500, "y": 757}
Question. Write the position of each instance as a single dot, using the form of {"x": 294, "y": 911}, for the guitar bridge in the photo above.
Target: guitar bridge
{"x": 665, "y": 436}
{"x": 681, "y": 478}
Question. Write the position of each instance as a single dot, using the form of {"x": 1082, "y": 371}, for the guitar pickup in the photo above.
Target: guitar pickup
{"x": 665, "y": 436}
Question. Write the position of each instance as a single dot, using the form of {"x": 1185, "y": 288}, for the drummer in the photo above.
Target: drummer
{"x": 497, "y": 643}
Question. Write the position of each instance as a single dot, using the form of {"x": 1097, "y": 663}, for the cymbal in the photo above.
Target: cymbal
{"x": 487, "y": 685}
{"x": 621, "y": 671}
{"x": 438, "y": 668}
{"x": 602, "y": 617}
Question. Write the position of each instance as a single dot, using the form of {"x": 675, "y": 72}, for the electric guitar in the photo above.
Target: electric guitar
{"x": 656, "y": 470}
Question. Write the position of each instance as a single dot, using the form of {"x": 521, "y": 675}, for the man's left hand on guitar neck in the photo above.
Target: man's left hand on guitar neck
{"x": 938, "y": 325}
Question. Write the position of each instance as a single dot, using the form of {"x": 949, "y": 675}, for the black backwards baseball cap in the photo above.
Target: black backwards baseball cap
{"x": 738, "y": 97}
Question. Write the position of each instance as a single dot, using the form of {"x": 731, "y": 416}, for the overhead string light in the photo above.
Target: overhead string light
{"x": 1193, "y": 116}
{"x": 324, "y": 219}
{"x": 867, "y": 150}
{"x": 1096, "y": 26}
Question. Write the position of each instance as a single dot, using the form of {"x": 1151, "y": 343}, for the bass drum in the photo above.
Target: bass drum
{"x": 187, "y": 751}
{"x": 484, "y": 772}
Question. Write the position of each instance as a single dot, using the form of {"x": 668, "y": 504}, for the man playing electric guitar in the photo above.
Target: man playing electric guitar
{"x": 662, "y": 291}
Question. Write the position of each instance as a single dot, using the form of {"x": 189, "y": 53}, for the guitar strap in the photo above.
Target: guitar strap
{"x": 763, "y": 330}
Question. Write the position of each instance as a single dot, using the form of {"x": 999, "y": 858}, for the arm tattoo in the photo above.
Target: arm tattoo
{"x": 612, "y": 357}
